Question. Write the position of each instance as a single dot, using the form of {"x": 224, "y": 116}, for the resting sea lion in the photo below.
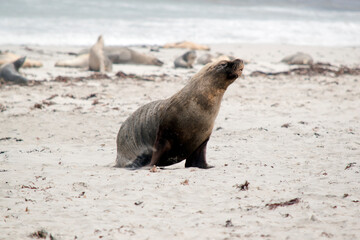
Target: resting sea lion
{"x": 81, "y": 61}
{"x": 8, "y": 57}
{"x": 168, "y": 131}
{"x": 125, "y": 55}
{"x": 298, "y": 58}
{"x": 186, "y": 44}
{"x": 186, "y": 60}
{"x": 208, "y": 58}
{"x": 205, "y": 59}
{"x": 97, "y": 59}
{"x": 10, "y": 72}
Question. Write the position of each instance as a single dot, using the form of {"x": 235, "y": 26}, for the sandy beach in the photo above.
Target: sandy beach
{"x": 294, "y": 138}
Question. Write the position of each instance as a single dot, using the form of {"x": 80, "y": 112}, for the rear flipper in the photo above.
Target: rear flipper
{"x": 198, "y": 157}
{"x": 18, "y": 79}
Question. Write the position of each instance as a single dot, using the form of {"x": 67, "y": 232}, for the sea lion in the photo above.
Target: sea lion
{"x": 188, "y": 45}
{"x": 208, "y": 58}
{"x": 10, "y": 72}
{"x": 186, "y": 60}
{"x": 205, "y": 59}
{"x": 124, "y": 55}
{"x": 81, "y": 61}
{"x": 8, "y": 57}
{"x": 298, "y": 58}
{"x": 97, "y": 59}
{"x": 165, "y": 132}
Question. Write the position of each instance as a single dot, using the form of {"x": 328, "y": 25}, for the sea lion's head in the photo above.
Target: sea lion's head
{"x": 229, "y": 70}
{"x": 100, "y": 41}
{"x": 156, "y": 62}
{"x": 222, "y": 73}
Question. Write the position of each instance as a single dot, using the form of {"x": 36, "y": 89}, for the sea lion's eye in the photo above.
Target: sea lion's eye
{"x": 223, "y": 64}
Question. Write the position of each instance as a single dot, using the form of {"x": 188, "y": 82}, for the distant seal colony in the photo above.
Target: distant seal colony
{"x": 166, "y": 132}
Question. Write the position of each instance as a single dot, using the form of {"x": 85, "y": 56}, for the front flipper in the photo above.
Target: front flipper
{"x": 198, "y": 157}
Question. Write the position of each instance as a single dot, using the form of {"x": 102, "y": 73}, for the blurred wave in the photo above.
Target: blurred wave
{"x": 49, "y": 22}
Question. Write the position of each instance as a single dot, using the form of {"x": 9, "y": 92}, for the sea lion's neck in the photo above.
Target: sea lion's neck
{"x": 206, "y": 85}
{"x": 204, "y": 93}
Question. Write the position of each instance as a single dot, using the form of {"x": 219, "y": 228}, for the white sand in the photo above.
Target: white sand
{"x": 59, "y": 177}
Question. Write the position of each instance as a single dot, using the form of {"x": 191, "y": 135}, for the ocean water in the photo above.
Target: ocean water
{"x": 71, "y": 22}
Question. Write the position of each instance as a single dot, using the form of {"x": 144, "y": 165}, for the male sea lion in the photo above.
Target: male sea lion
{"x": 10, "y": 72}
{"x": 8, "y": 57}
{"x": 97, "y": 59}
{"x": 168, "y": 131}
{"x": 186, "y": 60}
{"x": 298, "y": 58}
{"x": 188, "y": 45}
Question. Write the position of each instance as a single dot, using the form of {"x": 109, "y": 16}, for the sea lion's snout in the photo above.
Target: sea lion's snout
{"x": 235, "y": 68}
{"x": 157, "y": 62}
{"x": 238, "y": 64}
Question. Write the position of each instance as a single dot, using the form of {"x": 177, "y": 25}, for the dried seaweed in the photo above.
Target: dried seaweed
{"x": 94, "y": 76}
{"x": 283, "y": 204}
{"x": 311, "y": 70}
{"x": 243, "y": 187}
{"x": 350, "y": 165}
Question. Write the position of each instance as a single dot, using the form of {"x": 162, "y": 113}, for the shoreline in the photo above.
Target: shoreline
{"x": 263, "y": 57}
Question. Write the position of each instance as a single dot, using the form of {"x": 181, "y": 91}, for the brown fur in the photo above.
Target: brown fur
{"x": 168, "y": 131}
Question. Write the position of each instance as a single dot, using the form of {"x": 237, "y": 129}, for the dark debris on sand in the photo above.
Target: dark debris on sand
{"x": 272, "y": 206}
{"x": 313, "y": 69}
{"x": 243, "y": 187}
{"x": 94, "y": 76}
{"x": 118, "y": 75}
{"x": 9, "y": 138}
{"x": 229, "y": 223}
{"x": 41, "y": 234}
{"x": 29, "y": 83}
{"x": 350, "y": 165}
{"x": 2, "y": 108}
{"x": 151, "y": 77}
